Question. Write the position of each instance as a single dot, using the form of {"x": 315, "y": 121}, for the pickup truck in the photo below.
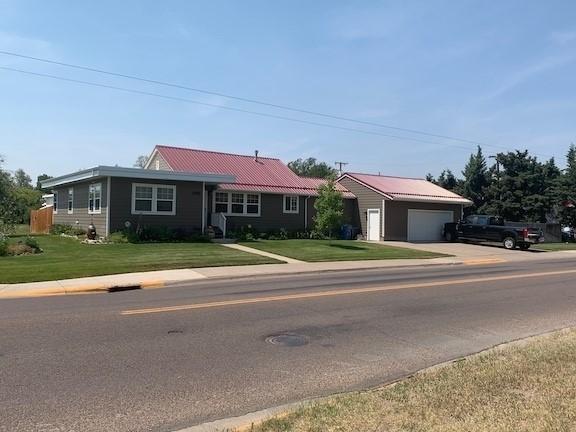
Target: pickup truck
{"x": 492, "y": 229}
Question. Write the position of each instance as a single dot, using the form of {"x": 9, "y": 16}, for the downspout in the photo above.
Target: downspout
{"x": 108, "y": 193}
{"x": 306, "y": 212}
{"x": 203, "y": 207}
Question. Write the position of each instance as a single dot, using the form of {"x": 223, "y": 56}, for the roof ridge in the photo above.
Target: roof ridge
{"x": 380, "y": 175}
{"x": 216, "y": 152}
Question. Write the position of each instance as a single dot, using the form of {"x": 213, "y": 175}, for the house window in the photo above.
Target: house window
{"x": 55, "y": 205}
{"x": 237, "y": 203}
{"x": 95, "y": 198}
{"x": 70, "y": 200}
{"x": 153, "y": 199}
{"x": 221, "y": 202}
{"x": 291, "y": 204}
{"x": 252, "y": 203}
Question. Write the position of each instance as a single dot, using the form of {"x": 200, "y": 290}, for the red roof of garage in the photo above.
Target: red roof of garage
{"x": 252, "y": 174}
{"x": 407, "y": 189}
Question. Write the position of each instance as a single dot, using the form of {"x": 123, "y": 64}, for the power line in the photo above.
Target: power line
{"x": 247, "y": 100}
{"x": 261, "y": 114}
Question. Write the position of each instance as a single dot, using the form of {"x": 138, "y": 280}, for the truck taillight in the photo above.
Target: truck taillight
{"x": 525, "y": 233}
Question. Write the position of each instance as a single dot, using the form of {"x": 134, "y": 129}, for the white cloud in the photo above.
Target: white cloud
{"x": 563, "y": 37}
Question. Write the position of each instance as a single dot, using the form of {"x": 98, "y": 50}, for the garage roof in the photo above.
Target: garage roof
{"x": 407, "y": 189}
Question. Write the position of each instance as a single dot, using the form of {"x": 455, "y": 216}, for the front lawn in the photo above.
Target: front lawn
{"x": 336, "y": 250}
{"x": 528, "y": 386}
{"x": 65, "y": 258}
{"x": 556, "y": 246}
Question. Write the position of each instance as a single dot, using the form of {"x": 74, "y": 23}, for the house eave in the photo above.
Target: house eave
{"x": 139, "y": 173}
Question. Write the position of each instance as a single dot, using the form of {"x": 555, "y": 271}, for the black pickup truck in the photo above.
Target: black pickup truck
{"x": 492, "y": 229}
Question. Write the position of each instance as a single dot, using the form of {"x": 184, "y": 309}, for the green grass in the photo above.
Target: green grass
{"x": 556, "y": 246}
{"x": 68, "y": 258}
{"x": 21, "y": 230}
{"x": 528, "y": 386}
{"x": 336, "y": 250}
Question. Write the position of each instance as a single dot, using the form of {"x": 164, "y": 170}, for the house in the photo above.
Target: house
{"x": 404, "y": 209}
{"x": 192, "y": 189}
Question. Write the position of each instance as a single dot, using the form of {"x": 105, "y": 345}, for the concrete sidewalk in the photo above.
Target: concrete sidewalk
{"x": 163, "y": 278}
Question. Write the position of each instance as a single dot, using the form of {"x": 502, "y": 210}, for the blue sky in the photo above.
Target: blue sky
{"x": 503, "y": 73}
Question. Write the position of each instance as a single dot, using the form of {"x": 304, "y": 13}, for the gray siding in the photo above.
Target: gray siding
{"x": 80, "y": 211}
{"x": 396, "y": 216}
{"x": 365, "y": 198}
{"x": 163, "y": 164}
{"x": 188, "y": 205}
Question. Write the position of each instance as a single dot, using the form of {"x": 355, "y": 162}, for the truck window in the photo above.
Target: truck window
{"x": 482, "y": 220}
{"x": 495, "y": 220}
{"x": 471, "y": 220}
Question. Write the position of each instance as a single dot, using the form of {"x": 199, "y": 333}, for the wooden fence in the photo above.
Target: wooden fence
{"x": 41, "y": 220}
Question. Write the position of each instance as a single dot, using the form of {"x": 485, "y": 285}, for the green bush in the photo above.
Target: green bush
{"x": 150, "y": 234}
{"x": 58, "y": 229}
{"x": 32, "y": 242}
{"x": 118, "y": 237}
{"x": 3, "y": 246}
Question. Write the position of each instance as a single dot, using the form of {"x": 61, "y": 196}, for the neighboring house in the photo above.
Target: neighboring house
{"x": 192, "y": 189}
{"x": 405, "y": 209}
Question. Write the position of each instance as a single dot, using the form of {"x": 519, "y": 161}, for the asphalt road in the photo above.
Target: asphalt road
{"x": 161, "y": 360}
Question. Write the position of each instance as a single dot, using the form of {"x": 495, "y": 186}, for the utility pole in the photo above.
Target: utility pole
{"x": 340, "y": 165}
{"x": 495, "y": 157}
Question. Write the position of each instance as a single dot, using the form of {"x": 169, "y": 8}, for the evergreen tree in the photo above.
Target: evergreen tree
{"x": 476, "y": 180}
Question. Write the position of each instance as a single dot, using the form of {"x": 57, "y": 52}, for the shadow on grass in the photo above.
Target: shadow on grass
{"x": 348, "y": 247}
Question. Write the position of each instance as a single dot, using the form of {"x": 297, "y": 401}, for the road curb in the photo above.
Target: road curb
{"x": 62, "y": 288}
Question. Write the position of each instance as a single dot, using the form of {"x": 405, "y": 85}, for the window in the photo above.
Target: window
{"x": 237, "y": 203}
{"x": 252, "y": 203}
{"x": 153, "y": 199}
{"x": 55, "y": 205}
{"x": 70, "y": 200}
{"x": 95, "y": 198}
{"x": 221, "y": 202}
{"x": 291, "y": 204}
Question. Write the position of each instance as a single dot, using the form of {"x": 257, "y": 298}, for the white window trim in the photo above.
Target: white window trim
{"x": 55, "y": 203}
{"x": 68, "y": 207}
{"x": 297, "y": 204}
{"x": 154, "y": 200}
{"x": 99, "y": 211}
{"x": 244, "y": 214}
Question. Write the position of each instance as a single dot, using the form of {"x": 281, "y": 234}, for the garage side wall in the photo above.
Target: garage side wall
{"x": 396, "y": 216}
{"x": 366, "y": 199}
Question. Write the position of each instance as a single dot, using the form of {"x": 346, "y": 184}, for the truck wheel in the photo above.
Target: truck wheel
{"x": 524, "y": 246}
{"x": 509, "y": 242}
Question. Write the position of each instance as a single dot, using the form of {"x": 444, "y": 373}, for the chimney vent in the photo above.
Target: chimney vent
{"x": 256, "y": 155}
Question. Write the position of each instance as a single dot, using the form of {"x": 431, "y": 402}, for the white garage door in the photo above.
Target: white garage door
{"x": 427, "y": 225}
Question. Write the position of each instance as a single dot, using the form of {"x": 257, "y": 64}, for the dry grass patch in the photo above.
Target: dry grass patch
{"x": 528, "y": 386}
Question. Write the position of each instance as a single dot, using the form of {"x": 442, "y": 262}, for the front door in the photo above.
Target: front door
{"x": 373, "y": 224}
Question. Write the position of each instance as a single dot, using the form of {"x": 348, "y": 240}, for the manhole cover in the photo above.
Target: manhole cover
{"x": 289, "y": 340}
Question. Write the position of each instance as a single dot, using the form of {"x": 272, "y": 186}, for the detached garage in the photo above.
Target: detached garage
{"x": 402, "y": 209}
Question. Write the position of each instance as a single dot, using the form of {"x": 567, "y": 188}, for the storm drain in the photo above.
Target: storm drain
{"x": 287, "y": 339}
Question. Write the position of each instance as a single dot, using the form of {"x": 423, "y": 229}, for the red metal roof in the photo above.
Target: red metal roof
{"x": 258, "y": 175}
{"x": 408, "y": 189}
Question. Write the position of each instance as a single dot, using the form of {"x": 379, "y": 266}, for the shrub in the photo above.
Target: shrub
{"x": 3, "y": 246}
{"x": 149, "y": 234}
{"x": 118, "y": 237}
{"x": 58, "y": 229}
{"x": 32, "y": 243}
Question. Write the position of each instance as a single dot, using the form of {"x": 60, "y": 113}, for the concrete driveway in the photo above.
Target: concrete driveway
{"x": 472, "y": 250}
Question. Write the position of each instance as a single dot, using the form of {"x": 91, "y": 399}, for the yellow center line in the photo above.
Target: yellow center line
{"x": 334, "y": 293}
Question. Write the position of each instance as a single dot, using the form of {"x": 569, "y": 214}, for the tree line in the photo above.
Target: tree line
{"x": 517, "y": 186}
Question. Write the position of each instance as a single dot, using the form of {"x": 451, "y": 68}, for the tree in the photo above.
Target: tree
{"x": 329, "y": 209}
{"x": 141, "y": 161}
{"x": 7, "y": 202}
{"x": 25, "y": 199}
{"x": 566, "y": 190}
{"x": 312, "y": 168}
{"x": 447, "y": 180}
{"x": 39, "y": 180}
{"x": 476, "y": 180}
{"x": 21, "y": 179}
